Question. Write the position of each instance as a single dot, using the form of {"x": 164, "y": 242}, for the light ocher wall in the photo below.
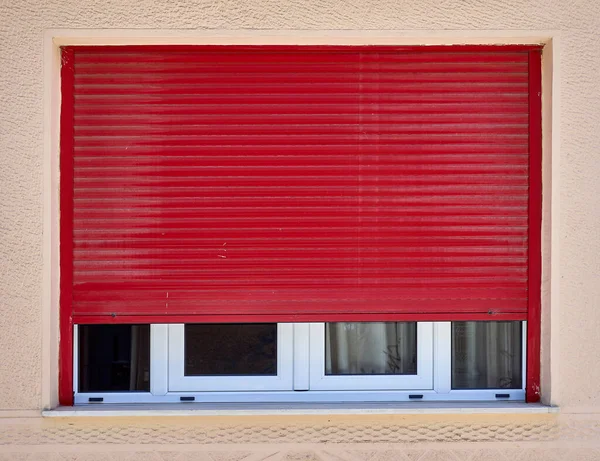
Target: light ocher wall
{"x": 309, "y": 438}
{"x": 576, "y": 317}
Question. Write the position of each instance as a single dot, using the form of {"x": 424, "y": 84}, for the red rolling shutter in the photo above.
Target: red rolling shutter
{"x": 295, "y": 183}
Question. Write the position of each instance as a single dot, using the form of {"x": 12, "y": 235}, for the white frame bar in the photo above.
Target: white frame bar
{"x": 524, "y": 359}
{"x": 442, "y": 357}
{"x": 159, "y": 359}
{"x": 488, "y": 395}
{"x": 301, "y": 356}
{"x": 319, "y": 381}
{"x": 75, "y": 359}
{"x": 178, "y": 382}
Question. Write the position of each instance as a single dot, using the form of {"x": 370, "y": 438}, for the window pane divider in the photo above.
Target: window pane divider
{"x": 75, "y": 359}
{"x": 159, "y": 359}
{"x": 301, "y": 357}
{"x": 442, "y": 357}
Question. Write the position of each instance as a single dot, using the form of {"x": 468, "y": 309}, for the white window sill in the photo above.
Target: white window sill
{"x": 278, "y": 409}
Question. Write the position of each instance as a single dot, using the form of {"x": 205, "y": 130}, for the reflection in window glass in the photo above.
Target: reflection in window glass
{"x": 231, "y": 349}
{"x": 374, "y": 348}
{"x": 114, "y": 358}
{"x": 487, "y": 355}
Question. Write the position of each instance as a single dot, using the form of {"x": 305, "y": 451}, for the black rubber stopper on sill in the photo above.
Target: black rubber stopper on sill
{"x": 187, "y": 399}
{"x": 415, "y": 396}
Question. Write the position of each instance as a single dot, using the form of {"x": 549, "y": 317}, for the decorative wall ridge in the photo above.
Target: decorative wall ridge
{"x": 117, "y": 431}
{"x": 410, "y": 439}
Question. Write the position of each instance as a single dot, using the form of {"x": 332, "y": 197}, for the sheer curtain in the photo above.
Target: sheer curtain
{"x": 140, "y": 358}
{"x": 370, "y": 348}
{"x": 486, "y": 355}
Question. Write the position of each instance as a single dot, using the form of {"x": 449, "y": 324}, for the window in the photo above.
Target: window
{"x": 376, "y": 355}
{"x": 311, "y": 222}
{"x": 113, "y": 358}
{"x": 343, "y": 361}
{"x": 237, "y": 357}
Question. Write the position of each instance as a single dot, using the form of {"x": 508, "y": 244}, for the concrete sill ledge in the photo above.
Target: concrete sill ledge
{"x": 279, "y": 409}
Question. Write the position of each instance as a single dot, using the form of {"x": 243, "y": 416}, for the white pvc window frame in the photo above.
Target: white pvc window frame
{"x": 420, "y": 381}
{"x": 301, "y": 366}
{"x": 160, "y": 391}
{"x": 179, "y": 382}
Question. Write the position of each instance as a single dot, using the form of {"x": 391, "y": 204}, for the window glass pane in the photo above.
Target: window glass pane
{"x": 114, "y": 358}
{"x": 374, "y": 348}
{"x": 487, "y": 355}
{"x": 231, "y": 349}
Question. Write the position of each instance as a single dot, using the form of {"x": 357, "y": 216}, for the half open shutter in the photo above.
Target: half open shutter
{"x": 244, "y": 184}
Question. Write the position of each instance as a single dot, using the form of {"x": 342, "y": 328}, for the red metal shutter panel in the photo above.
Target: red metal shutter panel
{"x": 298, "y": 184}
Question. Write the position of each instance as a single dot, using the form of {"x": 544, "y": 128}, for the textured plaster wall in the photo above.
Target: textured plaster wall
{"x": 294, "y": 438}
{"x": 22, "y": 25}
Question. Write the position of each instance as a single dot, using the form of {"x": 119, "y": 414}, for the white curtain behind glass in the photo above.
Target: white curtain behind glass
{"x": 486, "y": 355}
{"x": 138, "y": 372}
{"x": 370, "y": 348}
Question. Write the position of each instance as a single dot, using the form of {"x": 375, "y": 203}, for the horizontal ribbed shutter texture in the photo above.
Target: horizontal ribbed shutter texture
{"x": 299, "y": 184}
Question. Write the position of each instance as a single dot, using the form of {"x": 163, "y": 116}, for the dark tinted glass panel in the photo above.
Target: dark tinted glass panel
{"x": 231, "y": 349}
{"x": 374, "y": 348}
{"x": 114, "y": 358}
{"x": 487, "y": 355}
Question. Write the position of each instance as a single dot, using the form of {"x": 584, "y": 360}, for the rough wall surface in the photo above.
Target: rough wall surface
{"x": 372, "y": 438}
{"x": 22, "y": 24}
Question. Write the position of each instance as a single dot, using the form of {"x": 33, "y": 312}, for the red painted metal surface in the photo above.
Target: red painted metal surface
{"x": 300, "y": 183}
{"x": 65, "y": 371}
{"x": 535, "y": 226}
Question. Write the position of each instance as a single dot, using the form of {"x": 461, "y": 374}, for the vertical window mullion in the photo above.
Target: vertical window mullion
{"x": 159, "y": 359}
{"x": 524, "y": 352}
{"x": 301, "y": 356}
{"x": 75, "y": 359}
{"x": 442, "y": 357}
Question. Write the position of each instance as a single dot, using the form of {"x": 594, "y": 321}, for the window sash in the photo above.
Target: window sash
{"x": 178, "y": 381}
{"x": 422, "y": 380}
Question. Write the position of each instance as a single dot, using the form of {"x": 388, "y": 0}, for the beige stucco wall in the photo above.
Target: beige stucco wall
{"x": 304, "y": 438}
{"x": 571, "y": 353}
